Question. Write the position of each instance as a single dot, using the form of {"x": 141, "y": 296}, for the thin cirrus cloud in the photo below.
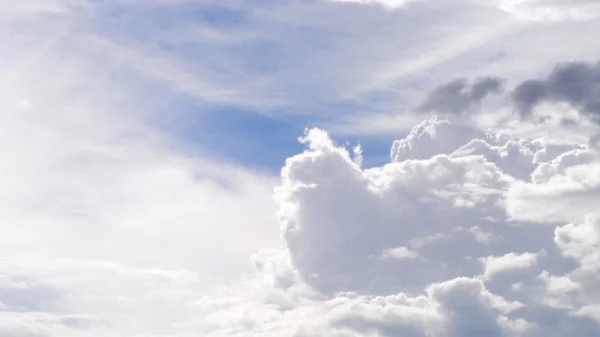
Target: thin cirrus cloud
{"x": 240, "y": 55}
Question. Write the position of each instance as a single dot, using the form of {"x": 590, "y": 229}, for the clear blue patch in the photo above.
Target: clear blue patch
{"x": 240, "y": 136}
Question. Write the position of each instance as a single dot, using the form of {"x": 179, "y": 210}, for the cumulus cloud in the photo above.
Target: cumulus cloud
{"x": 431, "y": 244}
{"x": 442, "y": 222}
{"x": 457, "y": 308}
{"x": 453, "y": 200}
{"x": 558, "y": 194}
{"x": 378, "y": 208}
{"x": 459, "y": 96}
{"x": 433, "y": 136}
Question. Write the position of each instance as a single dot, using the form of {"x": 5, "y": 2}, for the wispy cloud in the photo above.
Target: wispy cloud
{"x": 87, "y": 177}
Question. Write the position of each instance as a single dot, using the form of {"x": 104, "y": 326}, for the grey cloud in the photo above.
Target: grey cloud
{"x": 459, "y": 96}
{"x": 575, "y": 83}
{"x": 567, "y": 122}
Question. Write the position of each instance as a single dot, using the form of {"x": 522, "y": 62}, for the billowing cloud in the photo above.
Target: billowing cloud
{"x": 433, "y": 136}
{"x": 407, "y": 202}
{"x": 442, "y": 241}
{"x": 431, "y": 244}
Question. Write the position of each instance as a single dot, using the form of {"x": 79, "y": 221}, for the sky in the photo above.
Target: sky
{"x": 301, "y": 168}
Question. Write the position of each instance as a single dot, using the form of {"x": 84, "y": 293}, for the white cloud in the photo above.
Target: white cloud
{"x": 497, "y": 264}
{"x": 110, "y": 227}
{"x": 480, "y": 235}
{"x": 458, "y": 307}
{"x": 335, "y": 215}
{"x": 398, "y": 253}
{"x": 551, "y": 10}
{"x": 386, "y": 3}
{"x": 431, "y": 137}
{"x": 558, "y": 196}
{"x": 335, "y": 218}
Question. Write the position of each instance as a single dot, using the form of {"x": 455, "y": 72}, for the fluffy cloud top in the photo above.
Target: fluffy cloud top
{"x": 432, "y": 243}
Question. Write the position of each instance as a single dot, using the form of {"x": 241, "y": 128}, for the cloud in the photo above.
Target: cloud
{"x": 398, "y": 253}
{"x": 557, "y": 193}
{"x": 336, "y": 216}
{"x": 483, "y": 267}
{"x": 460, "y": 97}
{"x": 551, "y": 10}
{"x": 511, "y": 261}
{"x": 386, "y": 202}
{"x": 259, "y": 59}
{"x": 110, "y": 225}
{"x": 460, "y": 307}
{"x": 433, "y": 136}
{"x": 113, "y": 228}
{"x": 574, "y": 83}
{"x": 386, "y": 3}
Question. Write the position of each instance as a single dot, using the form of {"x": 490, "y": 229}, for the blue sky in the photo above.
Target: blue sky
{"x": 183, "y": 168}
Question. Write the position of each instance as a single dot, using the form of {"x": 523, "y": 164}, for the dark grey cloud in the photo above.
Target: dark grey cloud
{"x": 459, "y": 96}
{"x": 575, "y": 83}
{"x": 565, "y": 121}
